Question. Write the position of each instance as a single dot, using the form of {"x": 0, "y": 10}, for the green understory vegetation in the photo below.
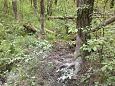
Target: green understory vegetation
{"x": 21, "y": 52}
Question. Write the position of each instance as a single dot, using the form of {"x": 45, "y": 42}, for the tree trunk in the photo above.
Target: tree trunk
{"x": 5, "y": 6}
{"x": 84, "y": 18}
{"x": 35, "y": 7}
{"x": 112, "y": 3}
{"x": 15, "y": 9}
{"x": 42, "y": 16}
{"x": 55, "y": 2}
{"x": 49, "y": 7}
{"x": 31, "y": 1}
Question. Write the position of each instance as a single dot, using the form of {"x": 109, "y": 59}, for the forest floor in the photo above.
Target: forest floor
{"x": 61, "y": 53}
{"x": 62, "y": 56}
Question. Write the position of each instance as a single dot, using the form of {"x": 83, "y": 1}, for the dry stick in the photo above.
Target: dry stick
{"x": 104, "y": 23}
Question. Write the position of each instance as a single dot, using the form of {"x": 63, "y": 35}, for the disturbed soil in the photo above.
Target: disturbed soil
{"x": 61, "y": 53}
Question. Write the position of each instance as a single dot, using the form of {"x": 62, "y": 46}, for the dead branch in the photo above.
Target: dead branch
{"x": 104, "y": 23}
{"x": 31, "y": 28}
{"x": 62, "y": 17}
{"x": 49, "y": 31}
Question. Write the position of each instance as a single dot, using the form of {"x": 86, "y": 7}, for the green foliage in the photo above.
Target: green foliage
{"x": 104, "y": 55}
{"x": 93, "y": 45}
{"x": 30, "y": 69}
{"x": 15, "y": 43}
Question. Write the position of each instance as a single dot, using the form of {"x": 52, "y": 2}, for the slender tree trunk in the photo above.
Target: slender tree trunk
{"x": 84, "y": 18}
{"x": 49, "y": 7}
{"x": 15, "y": 8}
{"x": 5, "y": 6}
{"x": 31, "y": 1}
{"x": 42, "y": 16}
{"x": 112, "y": 3}
{"x": 35, "y": 6}
{"x": 55, "y": 1}
{"x": 21, "y": 9}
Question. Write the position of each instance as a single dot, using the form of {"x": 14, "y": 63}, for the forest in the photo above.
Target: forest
{"x": 57, "y": 42}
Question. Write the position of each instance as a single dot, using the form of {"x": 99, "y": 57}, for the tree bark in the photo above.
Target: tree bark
{"x": 15, "y": 9}
{"x": 5, "y": 6}
{"x": 42, "y": 16}
{"x": 35, "y": 7}
{"x": 31, "y": 2}
{"x": 84, "y": 18}
{"x": 112, "y": 3}
{"x": 49, "y": 7}
{"x": 55, "y": 2}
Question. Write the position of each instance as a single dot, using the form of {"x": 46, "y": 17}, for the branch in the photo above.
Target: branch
{"x": 104, "y": 23}
{"x": 69, "y": 17}
{"x": 62, "y": 17}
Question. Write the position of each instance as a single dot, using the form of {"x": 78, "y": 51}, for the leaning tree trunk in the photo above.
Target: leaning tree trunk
{"x": 84, "y": 18}
{"x": 42, "y": 16}
{"x": 15, "y": 9}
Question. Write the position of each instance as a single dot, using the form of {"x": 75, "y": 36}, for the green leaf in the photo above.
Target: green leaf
{"x": 104, "y": 68}
{"x": 95, "y": 48}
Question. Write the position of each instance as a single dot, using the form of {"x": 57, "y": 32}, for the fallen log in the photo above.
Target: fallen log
{"x": 62, "y": 17}
{"x": 29, "y": 28}
{"x": 70, "y": 17}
